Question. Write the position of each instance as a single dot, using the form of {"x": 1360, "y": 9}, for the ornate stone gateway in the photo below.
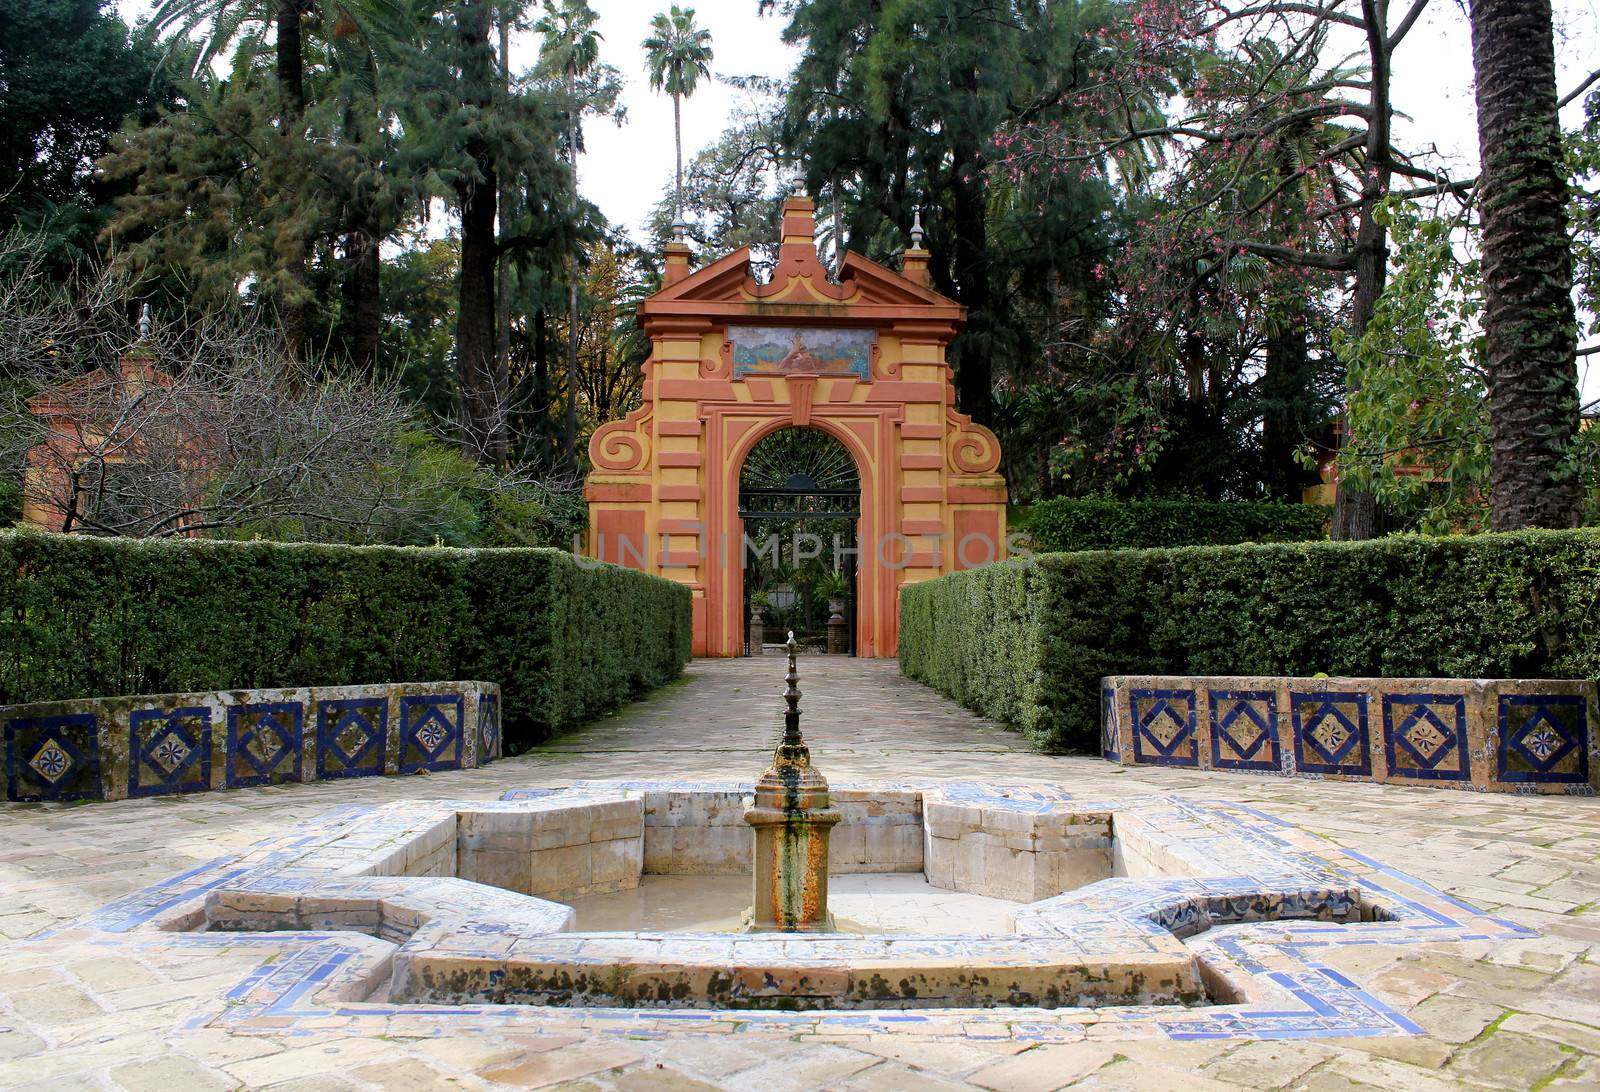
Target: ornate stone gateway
{"x": 734, "y": 359}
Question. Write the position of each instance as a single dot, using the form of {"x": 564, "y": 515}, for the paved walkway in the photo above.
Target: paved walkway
{"x": 1521, "y": 1015}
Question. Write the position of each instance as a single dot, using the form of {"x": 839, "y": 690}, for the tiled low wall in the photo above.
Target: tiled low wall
{"x": 1495, "y": 735}
{"x": 158, "y": 745}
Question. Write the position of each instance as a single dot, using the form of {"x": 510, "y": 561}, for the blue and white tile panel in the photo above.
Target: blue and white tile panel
{"x": 1489, "y": 735}
{"x": 168, "y": 744}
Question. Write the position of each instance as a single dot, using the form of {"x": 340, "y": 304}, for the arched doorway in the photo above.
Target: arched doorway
{"x": 857, "y": 352}
{"x": 799, "y": 511}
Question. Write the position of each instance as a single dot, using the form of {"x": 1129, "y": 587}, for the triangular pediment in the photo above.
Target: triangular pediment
{"x": 799, "y": 282}
{"x": 719, "y": 282}
{"x": 881, "y": 285}
{"x": 731, "y": 279}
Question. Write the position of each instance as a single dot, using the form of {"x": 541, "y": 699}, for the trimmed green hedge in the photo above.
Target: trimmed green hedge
{"x": 1063, "y": 525}
{"x": 83, "y": 617}
{"x": 1026, "y": 642}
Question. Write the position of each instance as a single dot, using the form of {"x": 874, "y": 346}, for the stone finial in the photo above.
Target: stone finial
{"x": 792, "y": 754}
{"x": 144, "y": 321}
{"x": 791, "y": 697}
{"x": 914, "y": 262}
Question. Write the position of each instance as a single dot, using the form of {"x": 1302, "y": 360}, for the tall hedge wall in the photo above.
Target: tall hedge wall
{"x": 1067, "y": 525}
{"x": 82, "y": 617}
{"x": 1026, "y": 642}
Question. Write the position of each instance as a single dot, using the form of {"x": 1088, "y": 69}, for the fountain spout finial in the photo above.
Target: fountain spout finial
{"x": 791, "y": 818}
{"x": 792, "y": 750}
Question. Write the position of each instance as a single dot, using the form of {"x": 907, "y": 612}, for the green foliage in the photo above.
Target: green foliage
{"x": 10, "y": 501}
{"x": 1027, "y": 642}
{"x": 1419, "y": 425}
{"x": 1583, "y": 164}
{"x": 419, "y": 297}
{"x": 1117, "y": 436}
{"x": 1067, "y": 525}
{"x": 532, "y": 514}
{"x": 1583, "y": 161}
{"x": 896, "y": 103}
{"x": 565, "y": 640}
{"x": 435, "y": 496}
{"x": 70, "y": 72}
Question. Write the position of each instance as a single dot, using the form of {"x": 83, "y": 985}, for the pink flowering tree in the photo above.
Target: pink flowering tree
{"x": 1255, "y": 191}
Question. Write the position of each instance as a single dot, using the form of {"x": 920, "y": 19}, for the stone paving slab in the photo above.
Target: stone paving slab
{"x": 91, "y": 1014}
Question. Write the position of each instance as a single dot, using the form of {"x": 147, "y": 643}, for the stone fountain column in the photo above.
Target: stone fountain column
{"x": 791, "y": 819}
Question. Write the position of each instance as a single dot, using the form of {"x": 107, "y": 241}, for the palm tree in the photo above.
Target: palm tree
{"x": 679, "y": 53}
{"x": 1530, "y": 331}
{"x": 572, "y": 45}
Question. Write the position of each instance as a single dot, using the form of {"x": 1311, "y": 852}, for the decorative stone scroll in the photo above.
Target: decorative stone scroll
{"x": 169, "y": 744}
{"x": 1493, "y": 735}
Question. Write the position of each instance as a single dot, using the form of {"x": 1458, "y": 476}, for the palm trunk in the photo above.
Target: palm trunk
{"x": 291, "y": 107}
{"x": 1355, "y": 511}
{"x": 541, "y": 379}
{"x": 1529, "y": 326}
{"x": 482, "y": 431}
{"x": 570, "y": 435}
{"x": 1285, "y": 394}
{"x": 838, "y": 231}
{"x": 363, "y": 291}
{"x": 475, "y": 315}
{"x": 974, "y": 359}
{"x": 502, "y": 347}
{"x": 677, "y": 134}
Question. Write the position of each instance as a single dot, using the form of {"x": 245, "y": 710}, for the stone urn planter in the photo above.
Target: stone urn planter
{"x": 757, "y": 633}
{"x": 838, "y": 628}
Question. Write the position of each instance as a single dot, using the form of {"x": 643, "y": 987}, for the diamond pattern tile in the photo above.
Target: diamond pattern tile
{"x": 53, "y": 758}
{"x": 1330, "y": 732}
{"x": 430, "y": 732}
{"x": 1544, "y": 738}
{"x": 1244, "y": 730}
{"x": 264, "y": 743}
{"x": 1425, "y": 736}
{"x": 489, "y": 738}
{"x": 169, "y": 751}
{"x": 1163, "y": 727}
{"x": 1108, "y": 724}
{"x": 352, "y": 735}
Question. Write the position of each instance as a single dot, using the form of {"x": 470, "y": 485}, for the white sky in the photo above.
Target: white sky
{"x": 627, "y": 169}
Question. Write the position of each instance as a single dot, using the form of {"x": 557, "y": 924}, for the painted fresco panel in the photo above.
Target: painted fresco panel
{"x": 801, "y": 350}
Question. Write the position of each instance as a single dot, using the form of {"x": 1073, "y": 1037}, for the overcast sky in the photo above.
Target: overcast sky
{"x": 626, "y": 169}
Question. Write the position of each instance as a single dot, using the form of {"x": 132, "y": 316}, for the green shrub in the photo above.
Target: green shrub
{"x": 1026, "y": 642}
{"x": 1066, "y": 525}
{"x": 566, "y": 640}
